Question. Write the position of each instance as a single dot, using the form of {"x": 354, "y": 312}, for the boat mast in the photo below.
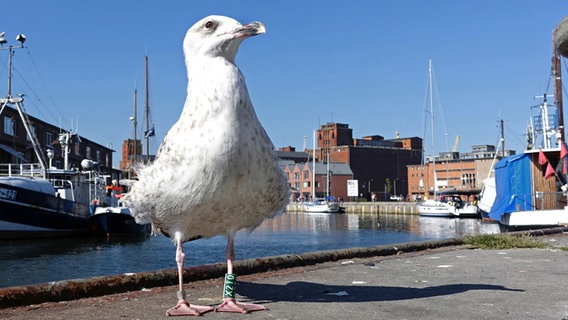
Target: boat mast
{"x": 134, "y": 121}
{"x": 431, "y": 102}
{"x": 314, "y": 168}
{"x": 147, "y": 111}
{"x": 557, "y": 74}
{"x": 327, "y": 177}
{"x": 502, "y": 141}
{"x": 18, "y": 102}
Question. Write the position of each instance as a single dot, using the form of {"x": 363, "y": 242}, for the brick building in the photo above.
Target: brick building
{"x": 16, "y": 146}
{"x": 300, "y": 177}
{"x": 377, "y": 164}
{"x": 131, "y": 155}
{"x": 463, "y": 173}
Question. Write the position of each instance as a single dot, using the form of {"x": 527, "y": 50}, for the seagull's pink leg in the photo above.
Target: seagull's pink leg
{"x": 229, "y": 303}
{"x": 183, "y": 308}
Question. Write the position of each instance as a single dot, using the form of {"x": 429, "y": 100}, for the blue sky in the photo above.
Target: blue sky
{"x": 364, "y": 63}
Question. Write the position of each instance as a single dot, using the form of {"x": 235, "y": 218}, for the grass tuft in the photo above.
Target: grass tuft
{"x": 503, "y": 241}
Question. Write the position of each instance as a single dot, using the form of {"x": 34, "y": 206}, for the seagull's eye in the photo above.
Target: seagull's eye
{"x": 209, "y": 24}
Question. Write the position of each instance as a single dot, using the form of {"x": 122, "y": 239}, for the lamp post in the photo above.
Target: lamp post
{"x": 394, "y": 186}
{"x": 50, "y": 156}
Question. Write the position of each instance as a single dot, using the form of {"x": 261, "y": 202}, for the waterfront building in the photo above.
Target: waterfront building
{"x": 386, "y": 167}
{"x": 16, "y": 146}
{"x": 131, "y": 155}
{"x": 300, "y": 177}
{"x": 378, "y": 164}
{"x": 457, "y": 172}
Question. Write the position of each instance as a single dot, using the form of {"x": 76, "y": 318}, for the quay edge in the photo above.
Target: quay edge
{"x": 105, "y": 285}
{"x": 369, "y": 207}
{"x": 99, "y": 286}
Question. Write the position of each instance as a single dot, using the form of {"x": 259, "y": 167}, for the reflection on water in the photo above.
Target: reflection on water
{"x": 39, "y": 261}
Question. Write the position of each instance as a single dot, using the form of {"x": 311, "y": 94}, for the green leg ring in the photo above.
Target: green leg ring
{"x": 230, "y": 285}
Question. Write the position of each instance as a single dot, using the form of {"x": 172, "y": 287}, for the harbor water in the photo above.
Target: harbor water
{"x": 26, "y": 262}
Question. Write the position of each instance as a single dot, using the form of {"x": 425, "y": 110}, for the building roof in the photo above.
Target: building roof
{"x": 292, "y": 155}
{"x": 335, "y": 168}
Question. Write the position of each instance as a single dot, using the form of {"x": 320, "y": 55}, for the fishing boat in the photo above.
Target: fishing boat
{"x": 530, "y": 190}
{"x": 40, "y": 199}
{"x": 441, "y": 205}
{"x": 523, "y": 197}
{"x": 36, "y": 201}
{"x": 114, "y": 219}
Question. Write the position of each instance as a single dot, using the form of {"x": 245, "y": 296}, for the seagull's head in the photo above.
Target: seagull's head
{"x": 218, "y": 36}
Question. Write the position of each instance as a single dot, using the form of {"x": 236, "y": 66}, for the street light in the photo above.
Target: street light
{"x": 50, "y": 155}
{"x": 394, "y": 184}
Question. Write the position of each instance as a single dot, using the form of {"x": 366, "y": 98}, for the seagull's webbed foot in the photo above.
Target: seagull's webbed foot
{"x": 183, "y": 308}
{"x": 231, "y": 305}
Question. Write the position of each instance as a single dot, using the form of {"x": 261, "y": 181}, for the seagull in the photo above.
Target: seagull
{"x": 216, "y": 171}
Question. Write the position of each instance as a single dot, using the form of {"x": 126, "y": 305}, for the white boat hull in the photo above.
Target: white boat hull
{"x": 327, "y": 207}
{"x": 535, "y": 218}
{"x": 433, "y": 208}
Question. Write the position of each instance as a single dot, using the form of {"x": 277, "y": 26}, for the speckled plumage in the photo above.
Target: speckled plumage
{"x": 216, "y": 171}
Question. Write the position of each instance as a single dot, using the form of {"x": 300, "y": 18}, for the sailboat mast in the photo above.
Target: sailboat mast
{"x": 431, "y": 102}
{"x": 501, "y": 123}
{"x": 314, "y": 167}
{"x": 556, "y": 70}
{"x": 147, "y": 111}
{"x": 327, "y": 177}
{"x": 134, "y": 146}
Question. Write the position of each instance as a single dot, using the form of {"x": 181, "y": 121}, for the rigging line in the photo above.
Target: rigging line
{"x": 29, "y": 91}
{"x": 441, "y": 108}
{"x": 549, "y": 78}
{"x": 515, "y": 135}
{"x": 36, "y": 96}
{"x": 4, "y": 67}
{"x": 44, "y": 86}
{"x": 425, "y": 112}
{"x": 36, "y": 69}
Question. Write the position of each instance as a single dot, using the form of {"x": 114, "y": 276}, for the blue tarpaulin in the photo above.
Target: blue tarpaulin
{"x": 512, "y": 185}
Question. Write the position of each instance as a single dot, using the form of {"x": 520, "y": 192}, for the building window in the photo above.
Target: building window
{"x": 34, "y": 133}
{"x": 88, "y": 152}
{"x": 77, "y": 148}
{"x": 98, "y": 153}
{"x": 296, "y": 176}
{"x": 49, "y": 138}
{"x": 306, "y": 174}
{"x": 10, "y": 126}
{"x": 297, "y": 185}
